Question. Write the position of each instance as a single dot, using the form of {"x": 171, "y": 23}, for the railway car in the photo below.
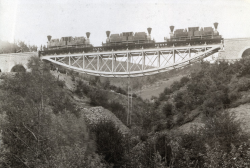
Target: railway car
{"x": 128, "y": 40}
{"x": 193, "y": 36}
{"x": 68, "y": 42}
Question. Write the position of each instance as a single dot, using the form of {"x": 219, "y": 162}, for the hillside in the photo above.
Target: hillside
{"x": 201, "y": 117}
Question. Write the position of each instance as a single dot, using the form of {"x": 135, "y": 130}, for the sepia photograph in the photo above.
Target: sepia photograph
{"x": 124, "y": 84}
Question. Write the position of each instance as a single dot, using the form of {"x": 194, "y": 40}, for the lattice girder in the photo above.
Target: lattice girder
{"x": 132, "y": 63}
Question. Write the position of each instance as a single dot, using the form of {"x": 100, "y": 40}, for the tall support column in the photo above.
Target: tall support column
{"x": 69, "y": 61}
{"x": 98, "y": 62}
{"x": 83, "y": 62}
{"x": 86, "y": 61}
{"x": 189, "y": 52}
{"x": 174, "y": 55}
{"x": 128, "y": 113}
{"x": 130, "y": 100}
{"x": 158, "y": 59}
{"x": 143, "y": 60}
{"x": 113, "y": 61}
{"x": 128, "y": 61}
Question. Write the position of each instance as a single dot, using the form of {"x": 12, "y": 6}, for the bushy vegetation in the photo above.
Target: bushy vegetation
{"x": 109, "y": 142}
{"x": 211, "y": 89}
{"x": 18, "y": 68}
{"x": 40, "y": 124}
{"x": 99, "y": 96}
{"x": 19, "y": 46}
{"x": 45, "y": 129}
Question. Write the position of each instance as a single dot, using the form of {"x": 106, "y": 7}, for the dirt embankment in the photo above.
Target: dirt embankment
{"x": 92, "y": 115}
{"x": 156, "y": 88}
{"x": 242, "y": 113}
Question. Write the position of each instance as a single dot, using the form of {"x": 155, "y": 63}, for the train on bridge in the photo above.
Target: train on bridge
{"x": 131, "y": 40}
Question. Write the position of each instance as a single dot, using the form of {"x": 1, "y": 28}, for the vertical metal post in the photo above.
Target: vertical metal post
{"x": 83, "y": 62}
{"x": 69, "y": 61}
{"x": 86, "y": 60}
{"x": 158, "y": 59}
{"x": 128, "y": 61}
{"x": 113, "y": 61}
{"x": 205, "y": 50}
{"x": 143, "y": 61}
{"x": 98, "y": 62}
{"x": 189, "y": 52}
{"x": 130, "y": 100}
{"x": 173, "y": 56}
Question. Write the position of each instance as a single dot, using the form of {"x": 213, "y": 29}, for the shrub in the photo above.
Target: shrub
{"x": 167, "y": 91}
{"x": 164, "y": 148}
{"x": 175, "y": 86}
{"x": 184, "y": 80}
{"x": 109, "y": 142}
{"x": 134, "y": 95}
{"x": 244, "y": 86}
{"x": 224, "y": 129}
{"x": 234, "y": 96}
{"x": 82, "y": 88}
{"x": 161, "y": 97}
{"x": 167, "y": 109}
{"x": 180, "y": 119}
{"x": 118, "y": 109}
{"x": 18, "y": 68}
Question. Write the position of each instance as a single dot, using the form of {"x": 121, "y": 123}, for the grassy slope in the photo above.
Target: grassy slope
{"x": 149, "y": 90}
{"x": 84, "y": 102}
{"x": 158, "y": 87}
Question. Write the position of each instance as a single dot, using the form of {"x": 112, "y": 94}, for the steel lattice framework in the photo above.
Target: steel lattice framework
{"x": 133, "y": 63}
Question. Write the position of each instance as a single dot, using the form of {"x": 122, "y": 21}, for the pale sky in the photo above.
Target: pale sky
{"x": 32, "y": 20}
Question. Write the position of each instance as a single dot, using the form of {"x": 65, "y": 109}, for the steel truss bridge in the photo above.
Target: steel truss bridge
{"x": 134, "y": 63}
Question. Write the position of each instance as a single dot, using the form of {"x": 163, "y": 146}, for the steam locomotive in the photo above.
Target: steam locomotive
{"x": 194, "y": 35}
{"x": 130, "y": 40}
{"x": 68, "y": 42}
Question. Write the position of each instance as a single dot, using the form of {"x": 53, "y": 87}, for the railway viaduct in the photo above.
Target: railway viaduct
{"x": 234, "y": 48}
{"x": 8, "y": 61}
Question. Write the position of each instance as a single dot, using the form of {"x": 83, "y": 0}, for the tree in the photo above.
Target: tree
{"x": 109, "y": 141}
{"x": 30, "y": 103}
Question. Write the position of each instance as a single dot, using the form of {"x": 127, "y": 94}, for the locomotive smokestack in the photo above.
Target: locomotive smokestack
{"x": 107, "y": 33}
{"x": 149, "y": 33}
{"x": 87, "y": 40}
{"x": 149, "y": 30}
{"x": 88, "y": 34}
{"x": 215, "y": 26}
{"x": 172, "y": 29}
{"x": 171, "y": 33}
{"x": 49, "y": 37}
